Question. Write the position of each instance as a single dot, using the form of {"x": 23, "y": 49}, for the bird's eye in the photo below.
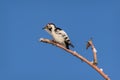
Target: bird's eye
{"x": 50, "y": 29}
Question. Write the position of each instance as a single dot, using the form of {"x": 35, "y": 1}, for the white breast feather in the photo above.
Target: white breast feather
{"x": 58, "y": 36}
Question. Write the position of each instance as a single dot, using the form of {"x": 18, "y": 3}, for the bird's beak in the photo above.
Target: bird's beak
{"x": 44, "y": 27}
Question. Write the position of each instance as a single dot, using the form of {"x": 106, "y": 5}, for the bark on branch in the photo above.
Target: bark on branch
{"x": 76, "y": 55}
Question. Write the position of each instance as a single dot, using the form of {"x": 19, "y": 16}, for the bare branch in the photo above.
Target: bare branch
{"x": 76, "y": 55}
{"x": 90, "y": 43}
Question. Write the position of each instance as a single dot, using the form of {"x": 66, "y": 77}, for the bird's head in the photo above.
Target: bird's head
{"x": 50, "y": 27}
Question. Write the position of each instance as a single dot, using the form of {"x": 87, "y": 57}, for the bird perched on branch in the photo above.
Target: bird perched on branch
{"x": 58, "y": 35}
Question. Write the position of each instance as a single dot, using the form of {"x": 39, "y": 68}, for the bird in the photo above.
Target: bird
{"x": 59, "y": 35}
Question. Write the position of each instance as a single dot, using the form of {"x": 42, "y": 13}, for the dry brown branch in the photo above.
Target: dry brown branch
{"x": 78, "y": 56}
{"x": 90, "y": 43}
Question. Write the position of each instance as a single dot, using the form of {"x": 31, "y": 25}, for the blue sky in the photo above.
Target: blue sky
{"x": 23, "y": 57}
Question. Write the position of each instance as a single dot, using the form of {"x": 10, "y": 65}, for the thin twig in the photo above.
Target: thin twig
{"x": 90, "y": 43}
{"x": 78, "y": 56}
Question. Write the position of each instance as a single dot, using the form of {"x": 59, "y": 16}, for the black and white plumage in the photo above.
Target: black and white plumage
{"x": 58, "y": 35}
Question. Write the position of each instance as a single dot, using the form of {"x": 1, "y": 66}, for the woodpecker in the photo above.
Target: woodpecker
{"x": 58, "y": 35}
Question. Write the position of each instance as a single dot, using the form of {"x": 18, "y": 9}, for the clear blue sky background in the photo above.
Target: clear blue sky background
{"x": 23, "y": 57}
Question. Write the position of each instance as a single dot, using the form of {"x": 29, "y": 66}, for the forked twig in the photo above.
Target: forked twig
{"x": 90, "y": 43}
{"x": 76, "y": 55}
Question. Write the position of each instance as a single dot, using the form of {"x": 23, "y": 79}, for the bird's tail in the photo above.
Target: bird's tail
{"x": 71, "y": 45}
{"x": 67, "y": 44}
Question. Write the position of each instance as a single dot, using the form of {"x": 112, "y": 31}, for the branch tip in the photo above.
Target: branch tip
{"x": 89, "y": 43}
{"x": 41, "y": 39}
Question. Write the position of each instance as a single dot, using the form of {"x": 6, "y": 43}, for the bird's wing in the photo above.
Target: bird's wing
{"x": 62, "y": 33}
{"x": 65, "y": 36}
